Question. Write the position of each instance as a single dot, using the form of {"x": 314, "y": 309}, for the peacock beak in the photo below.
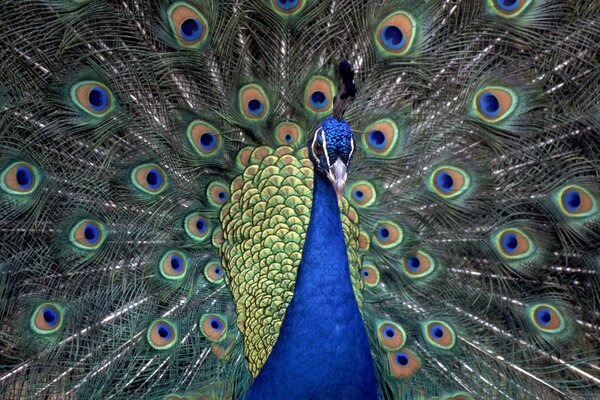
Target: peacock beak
{"x": 337, "y": 174}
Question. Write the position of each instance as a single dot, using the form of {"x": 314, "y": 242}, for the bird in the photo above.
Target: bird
{"x": 299, "y": 199}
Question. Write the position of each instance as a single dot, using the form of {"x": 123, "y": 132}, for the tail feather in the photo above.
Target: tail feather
{"x": 472, "y": 198}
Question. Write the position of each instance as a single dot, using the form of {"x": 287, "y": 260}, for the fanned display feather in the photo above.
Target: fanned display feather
{"x": 160, "y": 164}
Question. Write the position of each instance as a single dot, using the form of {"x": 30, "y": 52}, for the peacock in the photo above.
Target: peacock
{"x": 300, "y": 199}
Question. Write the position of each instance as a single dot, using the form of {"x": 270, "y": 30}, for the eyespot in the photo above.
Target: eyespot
{"x": 88, "y": 234}
{"x": 370, "y": 275}
{"x": 188, "y": 25}
{"x": 388, "y": 234}
{"x": 380, "y": 137}
{"x": 493, "y": 104}
{"x": 173, "y": 265}
{"x": 403, "y": 363}
{"x": 439, "y": 334}
{"x": 395, "y": 34}
{"x": 149, "y": 178}
{"x": 19, "y": 178}
{"x": 288, "y": 7}
{"x": 254, "y": 104}
{"x": 92, "y": 97}
{"x": 547, "y": 318}
{"x": 217, "y": 193}
{"x": 197, "y": 226}
{"x": 509, "y": 8}
{"x": 391, "y": 336}
{"x": 288, "y": 133}
{"x": 214, "y": 327}
{"x": 361, "y": 194}
{"x": 162, "y": 334}
{"x": 418, "y": 265}
{"x": 47, "y": 318}
{"x": 514, "y": 244}
{"x": 205, "y": 138}
{"x": 449, "y": 182}
{"x": 319, "y": 93}
{"x": 576, "y": 201}
{"x": 214, "y": 272}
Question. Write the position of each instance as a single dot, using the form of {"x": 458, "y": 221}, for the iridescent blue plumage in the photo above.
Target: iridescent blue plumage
{"x": 323, "y": 310}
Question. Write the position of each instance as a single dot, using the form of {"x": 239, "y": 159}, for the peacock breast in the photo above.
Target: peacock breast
{"x": 264, "y": 226}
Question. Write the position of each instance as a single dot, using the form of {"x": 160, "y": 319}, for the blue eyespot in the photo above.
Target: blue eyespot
{"x": 437, "y": 331}
{"x": 164, "y": 331}
{"x": 218, "y": 271}
{"x": 402, "y": 358}
{"x": 24, "y": 177}
{"x": 393, "y": 37}
{"x": 201, "y": 225}
{"x": 216, "y": 324}
{"x": 88, "y": 234}
{"x": 413, "y": 263}
{"x": 253, "y": 102}
{"x": 98, "y": 98}
{"x": 389, "y": 332}
{"x": 154, "y": 178}
{"x": 572, "y": 200}
{"x": 543, "y": 315}
{"x": 50, "y": 315}
{"x": 255, "y": 107}
{"x": 319, "y": 94}
{"x": 191, "y": 29}
{"x": 383, "y": 232}
{"x": 91, "y": 233}
{"x": 176, "y": 263}
{"x": 208, "y": 140}
{"x": 510, "y": 242}
{"x": 47, "y": 319}
{"x": 547, "y": 318}
{"x": 377, "y": 139}
{"x": 364, "y": 272}
{"x": 287, "y": 4}
{"x": 359, "y": 194}
{"x": 489, "y": 104}
{"x": 318, "y": 99}
{"x": 444, "y": 181}
{"x": 508, "y": 5}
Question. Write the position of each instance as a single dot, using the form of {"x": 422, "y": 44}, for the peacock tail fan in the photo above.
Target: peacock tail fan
{"x": 156, "y": 190}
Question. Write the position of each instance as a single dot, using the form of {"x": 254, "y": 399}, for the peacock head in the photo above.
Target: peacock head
{"x": 331, "y": 148}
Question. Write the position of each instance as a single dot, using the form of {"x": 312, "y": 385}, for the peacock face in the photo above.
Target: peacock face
{"x": 331, "y": 148}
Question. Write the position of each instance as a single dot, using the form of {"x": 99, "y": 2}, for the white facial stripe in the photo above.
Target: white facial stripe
{"x": 313, "y": 145}
{"x": 325, "y": 147}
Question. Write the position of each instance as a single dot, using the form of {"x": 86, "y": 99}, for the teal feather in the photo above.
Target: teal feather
{"x": 487, "y": 275}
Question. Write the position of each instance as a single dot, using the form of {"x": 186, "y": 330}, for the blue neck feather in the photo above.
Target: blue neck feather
{"x": 323, "y": 350}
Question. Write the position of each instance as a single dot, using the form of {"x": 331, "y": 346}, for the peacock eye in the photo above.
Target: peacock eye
{"x": 317, "y": 148}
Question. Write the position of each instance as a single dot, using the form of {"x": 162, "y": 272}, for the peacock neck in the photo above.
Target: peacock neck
{"x": 323, "y": 273}
{"x": 323, "y": 350}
